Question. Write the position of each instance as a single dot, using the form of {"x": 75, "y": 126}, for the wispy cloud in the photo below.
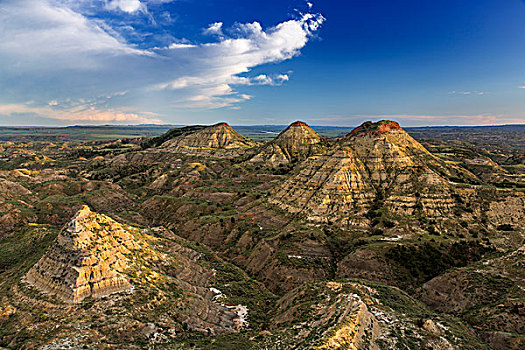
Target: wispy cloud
{"x": 473, "y": 93}
{"x": 264, "y": 79}
{"x": 221, "y": 85}
{"x": 81, "y": 113}
{"x": 181, "y": 46}
{"x": 521, "y": 87}
{"x": 36, "y": 35}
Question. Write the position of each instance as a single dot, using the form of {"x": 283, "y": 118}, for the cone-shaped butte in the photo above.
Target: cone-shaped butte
{"x": 215, "y": 137}
{"x": 86, "y": 259}
{"x": 376, "y": 165}
{"x": 295, "y": 143}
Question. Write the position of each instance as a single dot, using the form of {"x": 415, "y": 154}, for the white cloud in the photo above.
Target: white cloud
{"x": 222, "y": 85}
{"x": 521, "y": 87}
{"x": 129, "y": 6}
{"x": 68, "y": 56}
{"x": 82, "y": 113}
{"x": 218, "y": 66}
{"x": 180, "y": 46}
{"x": 36, "y": 34}
{"x": 264, "y": 79}
{"x": 115, "y": 94}
{"x": 214, "y": 29}
{"x": 475, "y": 93}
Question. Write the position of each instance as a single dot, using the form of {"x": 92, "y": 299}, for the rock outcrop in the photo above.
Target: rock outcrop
{"x": 350, "y": 315}
{"x": 216, "y": 137}
{"x": 376, "y": 165}
{"x": 9, "y": 189}
{"x": 87, "y": 259}
{"x": 295, "y": 143}
{"x": 508, "y": 209}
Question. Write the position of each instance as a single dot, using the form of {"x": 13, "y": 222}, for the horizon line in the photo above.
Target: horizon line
{"x": 242, "y": 125}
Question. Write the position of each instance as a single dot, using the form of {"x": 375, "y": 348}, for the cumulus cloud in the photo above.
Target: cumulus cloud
{"x": 214, "y": 29}
{"x": 129, "y": 6}
{"x": 221, "y": 64}
{"x": 66, "y": 54}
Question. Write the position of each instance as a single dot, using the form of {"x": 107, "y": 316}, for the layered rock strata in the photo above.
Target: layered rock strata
{"x": 376, "y": 165}
{"x": 295, "y": 143}
{"x": 86, "y": 259}
{"x": 348, "y": 315}
{"x": 219, "y": 136}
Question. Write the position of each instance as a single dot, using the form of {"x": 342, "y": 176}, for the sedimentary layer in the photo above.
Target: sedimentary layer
{"x": 86, "y": 259}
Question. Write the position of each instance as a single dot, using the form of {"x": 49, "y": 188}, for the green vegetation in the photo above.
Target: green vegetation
{"x": 21, "y": 251}
{"x": 157, "y": 141}
{"x": 425, "y": 261}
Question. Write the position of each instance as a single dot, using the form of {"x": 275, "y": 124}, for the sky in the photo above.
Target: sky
{"x": 326, "y": 62}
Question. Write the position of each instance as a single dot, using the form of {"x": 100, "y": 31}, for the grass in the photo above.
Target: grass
{"x": 21, "y": 251}
{"x": 225, "y": 342}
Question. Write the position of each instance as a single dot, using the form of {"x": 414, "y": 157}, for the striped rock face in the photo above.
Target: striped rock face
{"x": 216, "y": 137}
{"x": 86, "y": 260}
{"x": 295, "y": 143}
{"x": 377, "y": 164}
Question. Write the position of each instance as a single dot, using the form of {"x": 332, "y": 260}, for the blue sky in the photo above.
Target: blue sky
{"x": 420, "y": 62}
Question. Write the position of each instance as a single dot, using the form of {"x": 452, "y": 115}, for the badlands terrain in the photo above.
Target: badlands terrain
{"x": 199, "y": 237}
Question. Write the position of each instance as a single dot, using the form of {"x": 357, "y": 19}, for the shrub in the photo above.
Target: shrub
{"x": 425, "y": 261}
{"x": 389, "y": 224}
{"x": 505, "y": 227}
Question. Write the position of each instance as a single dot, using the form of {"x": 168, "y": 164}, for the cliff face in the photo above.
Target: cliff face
{"x": 86, "y": 260}
{"x": 219, "y": 136}
{"x": 295, "y": 143}
{"x": 377, "y": 164}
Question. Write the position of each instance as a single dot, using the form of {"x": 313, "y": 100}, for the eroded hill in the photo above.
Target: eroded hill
{"x": 202, "y": 238}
